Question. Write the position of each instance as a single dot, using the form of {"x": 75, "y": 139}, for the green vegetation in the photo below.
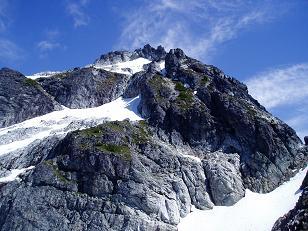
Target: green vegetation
{"x": 118, "y": 126}
{"x": 179, "y": 87}
{"x": 186, "y": 95}
{"x": 141, "y": 135}
{"x": 160, "y": 87}
{"x": 127, "y": 134}
{"x": 61, "y": 75}
{"x": 59, "y": 174}
{"x": 157, "y": 82}
{"x": 251, "y": 111}
{"x": 95, "y": 131}
{"x": 31, "y": 82}
{"x": 120, "y": 150}
{"x": 185, "y": 98}
{"x": 204, "y": 80}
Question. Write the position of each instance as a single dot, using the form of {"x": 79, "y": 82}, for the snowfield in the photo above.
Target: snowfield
{"x": 18, "y": 137}
{"x": 255, "y": 212}
{"x": 61, "y": 122}
{"x": 44, "y": 74}
{"x": 14, "y": 174}
{"x": 128, "y": 67}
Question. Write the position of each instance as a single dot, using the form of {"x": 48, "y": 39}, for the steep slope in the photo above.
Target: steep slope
{"x": 210, "y": 111}
{"x": 297, "y": 218}
{"x": 249, "y": 213}
{"x": 204, "y": 141}
{"x": 22, "y": 98}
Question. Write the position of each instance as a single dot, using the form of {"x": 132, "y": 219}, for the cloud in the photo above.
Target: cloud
{"x": 9, "y": 51}
{"x": 197, "y": 26}
{"x": 50, "y": 42}
{"x": 299, "y": 122}
{"x": 281, "y": 86}
{"x": 284, "y": 91}
{"x": 47, "y": 45}
{"x": 77, "y": 11}
{"x": 3, "y": 15}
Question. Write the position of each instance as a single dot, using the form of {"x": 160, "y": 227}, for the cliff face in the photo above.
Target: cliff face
{"x": 204, "y": 140}
{"x": 22, "y": 98}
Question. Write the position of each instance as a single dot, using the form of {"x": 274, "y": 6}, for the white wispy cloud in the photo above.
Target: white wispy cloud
{"x": 284, "y": 91}
{"x": 50, "y": 42}
{"x": 197, "y": 26}
{"x": 299, "y": 121}
{"x": 9, "y": 51}
{"x": 280, "y": 86}
{"x": 47, "y": 45}
{"x": 77, "y": 11}
{"x": 3, "y": 15}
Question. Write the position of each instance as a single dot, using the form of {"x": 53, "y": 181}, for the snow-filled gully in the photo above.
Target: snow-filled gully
{"x": 254, "y": 212}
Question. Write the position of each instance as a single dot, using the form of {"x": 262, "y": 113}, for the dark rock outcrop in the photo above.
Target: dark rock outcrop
{"x": 306, "y": 140}
{"x": 146, "y": 52}
{"x": 211, "y": 111}
{"x": 22, "y": 98}
{"x": 151, "y": 53}
{"x": 85, "y": 87}
{"x": 297, "y": 218}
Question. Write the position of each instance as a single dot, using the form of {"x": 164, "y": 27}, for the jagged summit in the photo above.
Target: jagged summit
{"x": 147, "y": 52}
{"x": 202, "y": 142}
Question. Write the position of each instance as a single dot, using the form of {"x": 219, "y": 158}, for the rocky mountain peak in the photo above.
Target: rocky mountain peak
{"x": 202, "y": 142}
{"x": 147, "y": 52}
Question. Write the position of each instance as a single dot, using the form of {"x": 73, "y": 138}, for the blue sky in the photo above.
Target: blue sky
{"x": 262, "y": 43}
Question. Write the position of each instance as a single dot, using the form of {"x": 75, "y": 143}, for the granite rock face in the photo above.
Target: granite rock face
{"x": 22, "y": 98}
{"x": 204, "y": 141}
{"x": 224, "y": 177}
{"x": 117, "y": 176}
{"x": 297, "y": 218}
{"x": 85, "y": 87}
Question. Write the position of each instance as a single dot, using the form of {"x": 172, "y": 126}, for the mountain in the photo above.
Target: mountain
{"x": 134, "y": 141}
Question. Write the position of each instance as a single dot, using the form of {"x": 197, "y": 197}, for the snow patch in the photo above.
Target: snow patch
{"x": 45, "y": 74}
{"x": 255, "y": 212}
{"x": 197, "y": 159}
{"x": 162, "y": 68}
{"x": 14, "y": 173}
{"x": 129, "y": 67}
{"x": 61, "y": 122}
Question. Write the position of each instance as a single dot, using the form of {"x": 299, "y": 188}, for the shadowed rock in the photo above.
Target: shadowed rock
{"x": 22, "y": 98}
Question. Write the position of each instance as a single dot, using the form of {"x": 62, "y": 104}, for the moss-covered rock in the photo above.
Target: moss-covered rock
{"x": 31, "y": 82}
{"x": 120, "y": 150}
